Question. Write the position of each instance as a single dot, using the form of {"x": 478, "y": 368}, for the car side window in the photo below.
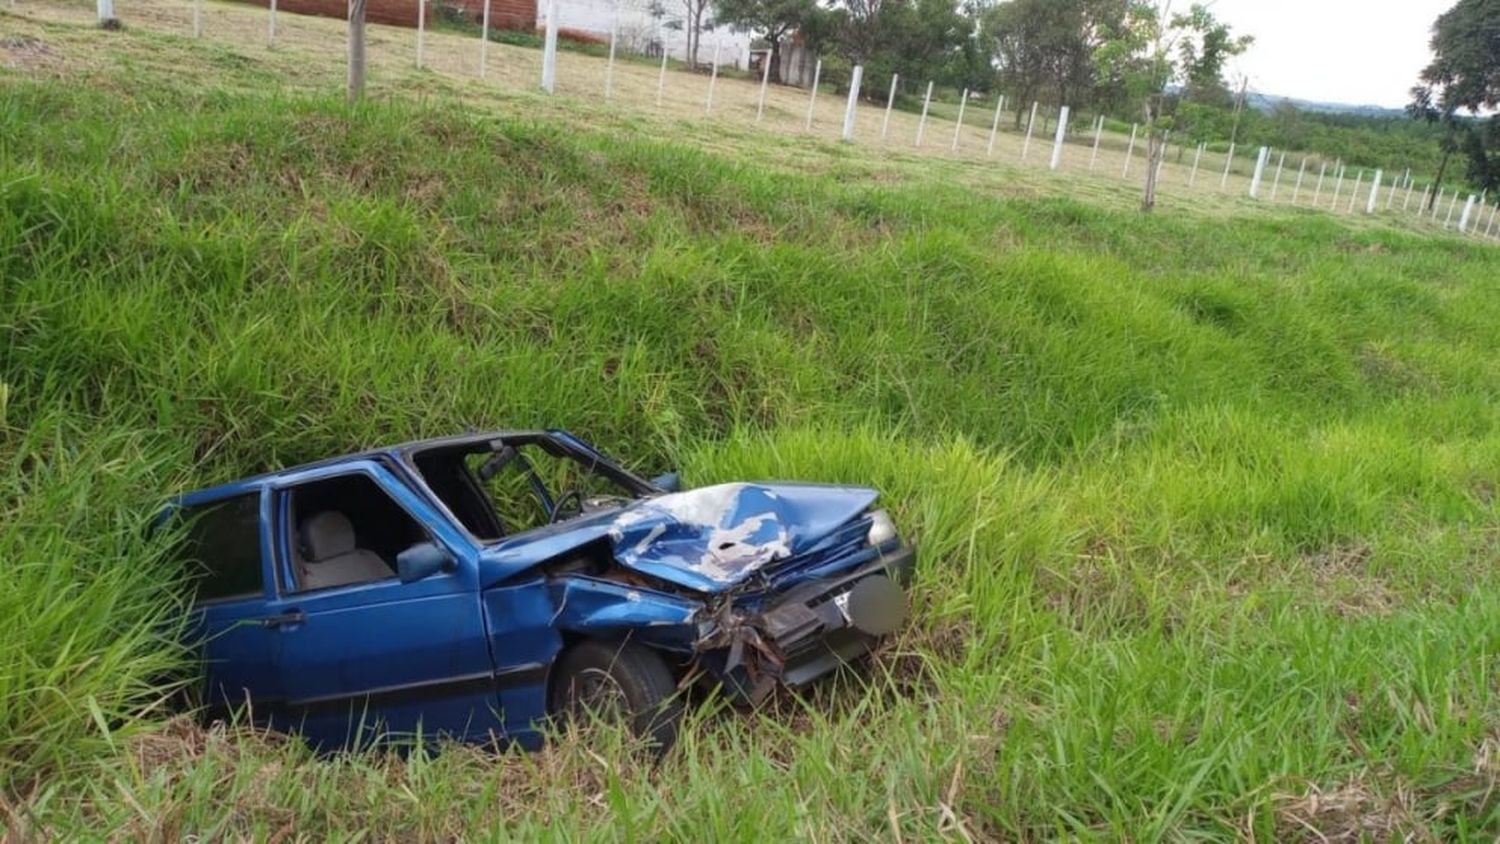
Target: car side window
{"x": 345, "y": 531}
{"x": 222, "y": 550}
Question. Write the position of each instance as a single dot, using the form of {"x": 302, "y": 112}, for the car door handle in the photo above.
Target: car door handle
{"x": 286, "y": 619}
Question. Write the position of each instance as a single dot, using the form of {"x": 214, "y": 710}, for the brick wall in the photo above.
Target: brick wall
{"x": 504, "y": 14}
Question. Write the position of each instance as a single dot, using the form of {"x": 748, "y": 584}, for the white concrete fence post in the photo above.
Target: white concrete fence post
{"x": 1098, "y": 133}
{"x": 1318, "y": 192}
{"x": 856, "y": 77}
{"x": 922, "y": 124}
{"x": 958, "y": 126}
{"x": 1057, "y": 141}
{"x": 1354, "y": 192}
{"x": 995, "y": 126}
{"x": 1276, "y": 182}
{"x": 1228, "y": 162}
{"x": 271, "y": 25}
{"x": 661, "y": 76}
{"x": 1030, "y": 125}
{"x": 1437, "y": 204}
{"x": 1463, "y": 221}
{"x": 713, "y": 76}
{"x": 1452, "y": 204}
{"x": 1197, "y": 157}
{"x": 105, "y": 9}
{"x": 890, "y": 100}
{"x": 1129, "y": 151}
{"x": 609, "y": 66}
{"x": 1260, "y": 167}
{"x": 765, "y": 77}
{"x": 1301, "y": 172}
{"x": 484, "y": 41}
{"x": 1338, "y": 187}
{"x": 812, "y": 100}
{"x": 549, "y": 53}
{"x": 1374, "y": 191}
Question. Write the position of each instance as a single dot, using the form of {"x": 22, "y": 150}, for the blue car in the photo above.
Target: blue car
{"x": 478, "y": 586}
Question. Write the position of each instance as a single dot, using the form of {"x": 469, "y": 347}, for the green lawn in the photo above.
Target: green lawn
{"x": 1206, "y": 499}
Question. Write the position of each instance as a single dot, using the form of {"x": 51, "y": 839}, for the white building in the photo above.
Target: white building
{"x": 642, "y": 31}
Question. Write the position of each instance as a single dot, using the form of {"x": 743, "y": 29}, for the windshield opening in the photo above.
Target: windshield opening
{"x": 506, "y": 487}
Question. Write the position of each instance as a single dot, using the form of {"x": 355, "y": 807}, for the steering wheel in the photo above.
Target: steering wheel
{"x": 572, "y": 495}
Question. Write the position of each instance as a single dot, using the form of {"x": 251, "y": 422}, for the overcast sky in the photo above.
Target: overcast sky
{"x": 1351, "y": 51}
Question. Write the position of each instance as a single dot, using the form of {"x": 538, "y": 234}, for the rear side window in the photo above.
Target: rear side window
{"x": 221, "y": 550}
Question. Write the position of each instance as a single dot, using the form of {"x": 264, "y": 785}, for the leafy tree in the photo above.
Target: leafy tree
{"x": 919, "y": 39}
{"x": 773, "y": 19}
{"x": 1464, "y": 75}
{"x": 1151, "y": 53}
{"x": 1050, "y": 43}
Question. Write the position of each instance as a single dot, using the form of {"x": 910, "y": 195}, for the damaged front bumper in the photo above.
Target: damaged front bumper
{"x": 807, "y": 631}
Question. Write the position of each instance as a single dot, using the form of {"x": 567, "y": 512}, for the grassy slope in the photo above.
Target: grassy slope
{"x": 1206, "y": 503}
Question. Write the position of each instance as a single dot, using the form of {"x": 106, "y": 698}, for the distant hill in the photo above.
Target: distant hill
{"x": 1266, "y": 102}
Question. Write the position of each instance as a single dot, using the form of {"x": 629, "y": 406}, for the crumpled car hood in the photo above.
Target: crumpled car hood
{"x": 715, "y": 537}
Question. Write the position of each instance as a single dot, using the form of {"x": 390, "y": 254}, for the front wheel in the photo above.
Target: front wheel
{"x": 619, "y": 682}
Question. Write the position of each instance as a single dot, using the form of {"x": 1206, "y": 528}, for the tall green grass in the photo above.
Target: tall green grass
{"x": 1206, "y": 506}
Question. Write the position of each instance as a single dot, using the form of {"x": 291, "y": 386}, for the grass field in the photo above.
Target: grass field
{"x": 1206, "y": 499}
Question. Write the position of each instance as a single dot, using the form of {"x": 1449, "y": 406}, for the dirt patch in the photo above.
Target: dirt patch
{"x": 26, "y": 52}
{"x": 1355, "y": 810}
{"x": 1340, "y": 578}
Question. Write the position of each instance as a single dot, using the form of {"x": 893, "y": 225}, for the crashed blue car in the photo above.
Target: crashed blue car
{"x": 479, "y": 586}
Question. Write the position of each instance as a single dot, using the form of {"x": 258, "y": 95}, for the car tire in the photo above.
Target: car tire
{"x": 632, "y": 679}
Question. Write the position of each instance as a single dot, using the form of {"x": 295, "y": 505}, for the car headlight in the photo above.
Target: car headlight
{"x": 882, "y": 529}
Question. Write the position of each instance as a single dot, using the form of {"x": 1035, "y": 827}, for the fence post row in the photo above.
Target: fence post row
{"x": 1468, "y": 222}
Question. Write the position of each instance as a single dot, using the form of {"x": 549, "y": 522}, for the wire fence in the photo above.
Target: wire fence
{"x": 969, "y": 127}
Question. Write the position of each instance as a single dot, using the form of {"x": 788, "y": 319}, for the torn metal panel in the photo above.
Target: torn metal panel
{"x": 598, "y": 607}
{"x": 716, "y": 537}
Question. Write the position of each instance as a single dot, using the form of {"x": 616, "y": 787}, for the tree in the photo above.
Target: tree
{"x": 695, "y": 12}
{"x": 1150, "y": 53}
{"x": 1464, "y": 73}
{"x": 774, "y": 19}
{"x": 1050, "y": 43}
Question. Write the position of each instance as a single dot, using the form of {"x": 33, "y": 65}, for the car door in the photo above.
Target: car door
{"x": 225, "y": 552}
{"x": 378, "y": 656}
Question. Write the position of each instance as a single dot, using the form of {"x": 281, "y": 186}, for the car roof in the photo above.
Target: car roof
{"x": 391, "y": 452}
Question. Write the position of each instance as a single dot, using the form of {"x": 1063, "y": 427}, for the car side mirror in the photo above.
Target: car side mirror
{"x": 671, "y": 482}
{"x": 422, "y": 560}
